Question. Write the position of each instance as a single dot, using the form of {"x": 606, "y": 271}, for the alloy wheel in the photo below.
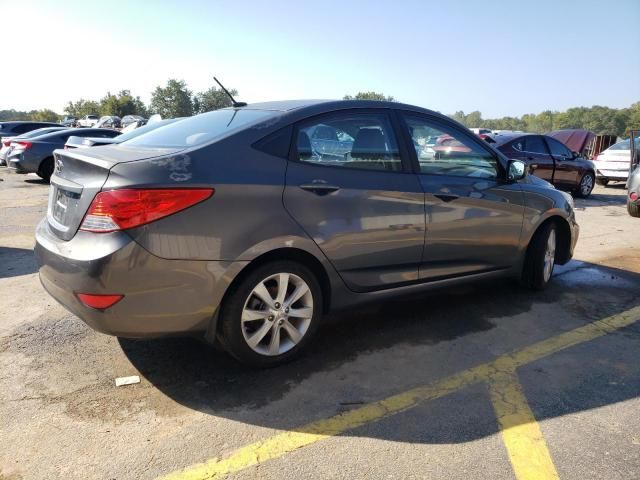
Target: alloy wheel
{"x": 277, "y": 314}
{"x": 586, "y": 185}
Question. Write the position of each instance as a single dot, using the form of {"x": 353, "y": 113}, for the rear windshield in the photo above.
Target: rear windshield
{"x": 146, "y": 128}
{"x": 625, "y": 145}
{"x": 40, "y": 131}
{"x": 201, "y": 129}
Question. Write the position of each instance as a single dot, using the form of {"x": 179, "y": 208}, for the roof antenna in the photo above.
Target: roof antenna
{"x": 233, "y": 101}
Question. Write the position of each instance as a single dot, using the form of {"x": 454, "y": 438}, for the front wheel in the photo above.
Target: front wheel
{"x": 586, "y": 185}
{"x": 270, "y": 316}
{"x": 540, "y": 259}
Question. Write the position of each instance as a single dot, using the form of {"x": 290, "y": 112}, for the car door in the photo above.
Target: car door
{"x": 538, "y": 158}
{"x": 364, "y": 209}
{"x": 566, "y": 173}
{"x": 474, "y": 218}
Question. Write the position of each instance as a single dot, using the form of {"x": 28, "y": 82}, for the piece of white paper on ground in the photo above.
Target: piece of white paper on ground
{"x": 127, "y": 380}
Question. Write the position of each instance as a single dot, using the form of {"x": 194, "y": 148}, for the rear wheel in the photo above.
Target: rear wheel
{"x": 602, "y": 181}
{"x": 46, "y": 169}
{"x": 633, "y": 208}
{"x": 541, "y": 256}
{"x": 270, "y": 316}
{"x": 585, "y": 186}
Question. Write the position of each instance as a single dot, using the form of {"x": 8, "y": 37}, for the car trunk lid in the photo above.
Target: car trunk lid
{"x": 79, "y": 176}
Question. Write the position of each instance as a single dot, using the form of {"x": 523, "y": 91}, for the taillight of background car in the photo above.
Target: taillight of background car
{"x": 22, "y": 145}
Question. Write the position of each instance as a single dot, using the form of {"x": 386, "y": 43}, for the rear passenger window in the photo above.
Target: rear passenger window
{"x": 359, "y": 140}
{"x": 534, "y": 144}
{"x": 445, "y": 151}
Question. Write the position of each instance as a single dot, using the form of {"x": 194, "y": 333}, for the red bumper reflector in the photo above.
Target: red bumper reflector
{"x": 99, "y": 301}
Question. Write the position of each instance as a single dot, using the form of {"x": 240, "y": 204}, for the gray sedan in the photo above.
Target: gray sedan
{"x": 229, "y": 225}
{"x": 35, "y": 155}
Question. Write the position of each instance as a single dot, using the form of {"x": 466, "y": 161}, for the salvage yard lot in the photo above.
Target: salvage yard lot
{"x": 400, "y": 389}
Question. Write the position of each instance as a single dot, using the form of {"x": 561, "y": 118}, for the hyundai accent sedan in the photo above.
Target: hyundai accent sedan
{"x": 231, "y": 225}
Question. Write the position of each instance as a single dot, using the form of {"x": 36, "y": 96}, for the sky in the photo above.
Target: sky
{"x": 499, "y": 57}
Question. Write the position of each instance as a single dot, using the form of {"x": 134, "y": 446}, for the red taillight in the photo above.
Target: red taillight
{"x": 121, "y": 209}
{"x": 633, "y": 196}
{"x": 6, "y": 143}
{"x": 24, "y": 145}
{"x": 99, "y": 301}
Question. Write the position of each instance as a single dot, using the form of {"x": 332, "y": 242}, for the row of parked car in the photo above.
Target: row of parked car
{"x": 552, "y": 160}
{"x": 106, "y": 121}
{"x": 28, "y": 147}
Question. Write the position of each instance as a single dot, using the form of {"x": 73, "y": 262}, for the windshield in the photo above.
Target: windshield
{"x": 200, "y": 129}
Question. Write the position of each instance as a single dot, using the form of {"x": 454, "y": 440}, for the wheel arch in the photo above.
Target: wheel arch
{"x": 563, "y": 244}
{"x": 284, "y": 253}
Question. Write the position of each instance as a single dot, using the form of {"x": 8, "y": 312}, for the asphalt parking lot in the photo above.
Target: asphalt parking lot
{"x": 479, "y": 381}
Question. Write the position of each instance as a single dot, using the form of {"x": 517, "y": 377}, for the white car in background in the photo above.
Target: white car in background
{"x": 87, "y": 121}
{"x": 612, "y": 164}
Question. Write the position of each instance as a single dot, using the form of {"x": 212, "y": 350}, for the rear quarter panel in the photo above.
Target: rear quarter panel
{"x": 243, "y": 219}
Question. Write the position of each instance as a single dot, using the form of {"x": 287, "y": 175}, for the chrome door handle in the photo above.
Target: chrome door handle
{"x": 445, "y": 197}
{"x": 319, "y": 187}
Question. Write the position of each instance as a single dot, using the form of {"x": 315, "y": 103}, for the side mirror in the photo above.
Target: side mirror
{"x": 574, "y": 155}
{"x": 516, "y": 170}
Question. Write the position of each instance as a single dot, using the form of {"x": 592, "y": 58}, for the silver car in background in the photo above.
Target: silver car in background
{"x": 231, "y": 226}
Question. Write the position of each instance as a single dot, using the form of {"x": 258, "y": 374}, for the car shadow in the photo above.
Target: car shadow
{"x": 15, "y": 262}
{"x": 369, "y": 353}
{"x": 36, "y": 181}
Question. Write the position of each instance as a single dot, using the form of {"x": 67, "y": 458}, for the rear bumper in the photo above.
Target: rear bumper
{"x": 161, "y": 297}
{"x": 23, "y": 164}
{"x": 612, "y": 170}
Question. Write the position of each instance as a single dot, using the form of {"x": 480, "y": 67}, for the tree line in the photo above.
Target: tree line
{"x": 172, "y": 100}
{"x": 601, "y": 120}
{"x": 175, "y": 99}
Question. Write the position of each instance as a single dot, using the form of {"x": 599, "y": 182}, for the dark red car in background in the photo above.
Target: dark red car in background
{"x": 549, "y": 159}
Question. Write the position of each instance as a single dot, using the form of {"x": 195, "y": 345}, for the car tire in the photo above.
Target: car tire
{"x": 540, "y": 259}
{"x": 602, "y": 181}
{"x": 261, "y": 334}
{"x": 585, "y": 187}
{"x": 46, "y": 169}
{"x": 633, "y": 208}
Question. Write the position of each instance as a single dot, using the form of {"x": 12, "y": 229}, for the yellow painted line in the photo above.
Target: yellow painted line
{"x": 283, "y": 443}
{"x": 528, "y": 452}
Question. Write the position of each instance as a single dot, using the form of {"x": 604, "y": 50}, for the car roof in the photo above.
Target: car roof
{"x": 21, "y": 122}
{"x": 56, "y": 133}
{"x": 312, "y": 107}
{"x": 503, "y": 138}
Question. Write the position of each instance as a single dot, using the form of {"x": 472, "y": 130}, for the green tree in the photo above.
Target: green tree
{"x": 44, "y": 115}
{"x": 172, "y": 100}
{"x": 82, "y": 107}
{"x": 212, "y": 99}
{"x": 370, "y": 96}
{"x": 121, "y": 104}
{"x": 633, "y": 121}
{"x": 6, "y": 115}
{"x": 459, "y": 116}
{"x": 473, "y": 120}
